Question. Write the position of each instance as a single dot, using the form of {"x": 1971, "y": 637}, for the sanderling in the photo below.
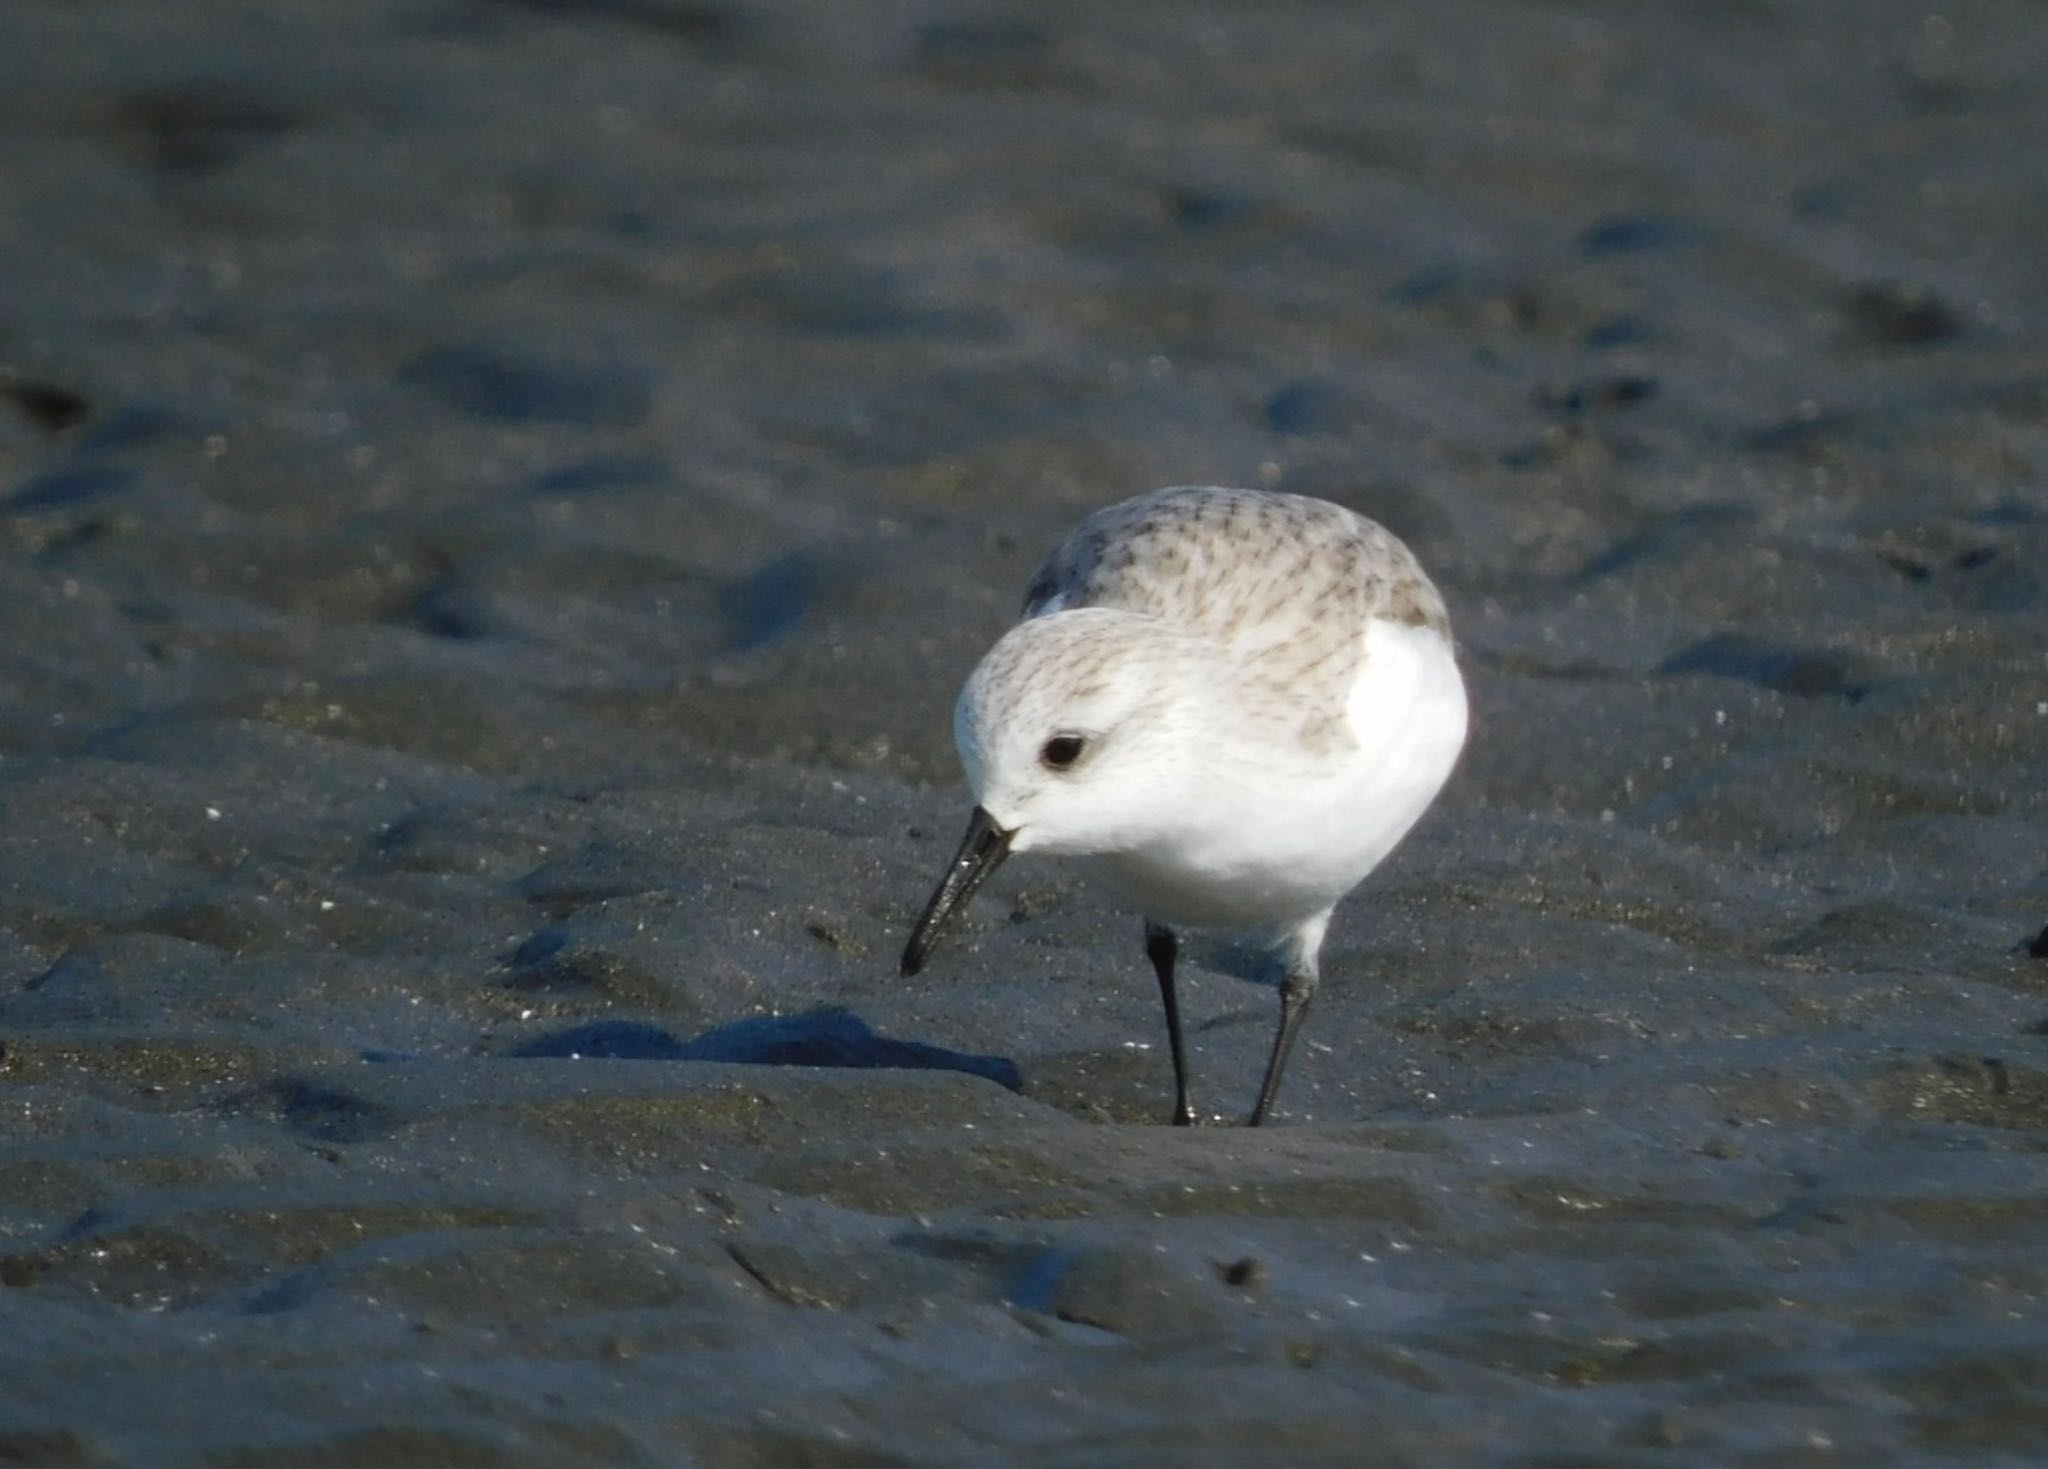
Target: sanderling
{"x": 1232, "y": 704}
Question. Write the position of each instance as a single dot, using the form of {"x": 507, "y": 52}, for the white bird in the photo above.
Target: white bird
{"x": 1231, "y": 704}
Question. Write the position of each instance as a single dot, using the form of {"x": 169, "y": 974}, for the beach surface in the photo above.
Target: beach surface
{"x": 497, "y": 498}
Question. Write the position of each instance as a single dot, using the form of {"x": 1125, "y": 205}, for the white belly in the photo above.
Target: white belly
{"x": 1281, "y": 841}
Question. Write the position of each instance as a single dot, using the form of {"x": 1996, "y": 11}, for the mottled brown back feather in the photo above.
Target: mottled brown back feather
{"x": 1287, "y": 584}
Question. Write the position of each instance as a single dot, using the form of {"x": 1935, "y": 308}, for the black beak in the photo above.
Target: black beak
{"x": 981, "y": 852}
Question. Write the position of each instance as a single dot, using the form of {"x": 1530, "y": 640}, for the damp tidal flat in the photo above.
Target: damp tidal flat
{"x": 497, "y": 498}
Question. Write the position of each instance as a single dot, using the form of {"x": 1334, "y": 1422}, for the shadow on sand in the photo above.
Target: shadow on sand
{"x": 828, "y": 1036}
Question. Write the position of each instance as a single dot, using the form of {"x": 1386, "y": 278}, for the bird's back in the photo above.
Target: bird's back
{"x": 1283, "y": 584}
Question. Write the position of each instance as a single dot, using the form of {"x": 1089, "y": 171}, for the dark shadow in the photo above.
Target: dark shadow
{"x": 1305, "y": 407}
{"x": 316, "y": 1111}
{"x": 2008, "y": 512}
{"x": 1251, "y": 957}
{"x": 831, "y": 1035}
{"x": 1669, "y": 538}
{"x": 139, "y": 425}
{"x": 448, "y": 609}
{"x": 200, "y": 131}
{"x": 1803, "y": 433}
{"x": 602, "y": 472}
{"x": 1618, "y": 331}
{"x": 606, "y": 1040}
{"x": 1804, "y": 673}
{"x": 1635, "y": 234}
{"x": 768, "y": 603}
{"x": 1590, "y": 395}
{"x": 1897, "y": 314}
{"x": 994, "y": 52}
{"x": 504, "y": 387}
{"x": 844, "y": 300}
{"x": 70, "y": 486}
{"x": 1200, "y": 211}
{"x": 50, "y": 406}
{"x": 711, "y": 28}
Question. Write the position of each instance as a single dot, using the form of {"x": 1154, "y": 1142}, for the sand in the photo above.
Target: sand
{"x": 497, "y": 498}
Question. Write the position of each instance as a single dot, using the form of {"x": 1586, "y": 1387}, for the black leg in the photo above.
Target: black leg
{"x": 1162, "y": 948}
{"x": 1296, "y": 990}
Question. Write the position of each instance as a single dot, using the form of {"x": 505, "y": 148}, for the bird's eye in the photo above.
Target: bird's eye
{"x": 1061, "y": 751}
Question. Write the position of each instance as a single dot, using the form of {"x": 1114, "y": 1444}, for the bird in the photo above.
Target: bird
{"x": 1229, "y": 705}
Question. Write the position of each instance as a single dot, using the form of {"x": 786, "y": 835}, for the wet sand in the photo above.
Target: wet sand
{"x": 497, "y": 498}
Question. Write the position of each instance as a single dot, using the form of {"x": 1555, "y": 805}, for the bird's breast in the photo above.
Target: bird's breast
{"x": 1278, "y": 835}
